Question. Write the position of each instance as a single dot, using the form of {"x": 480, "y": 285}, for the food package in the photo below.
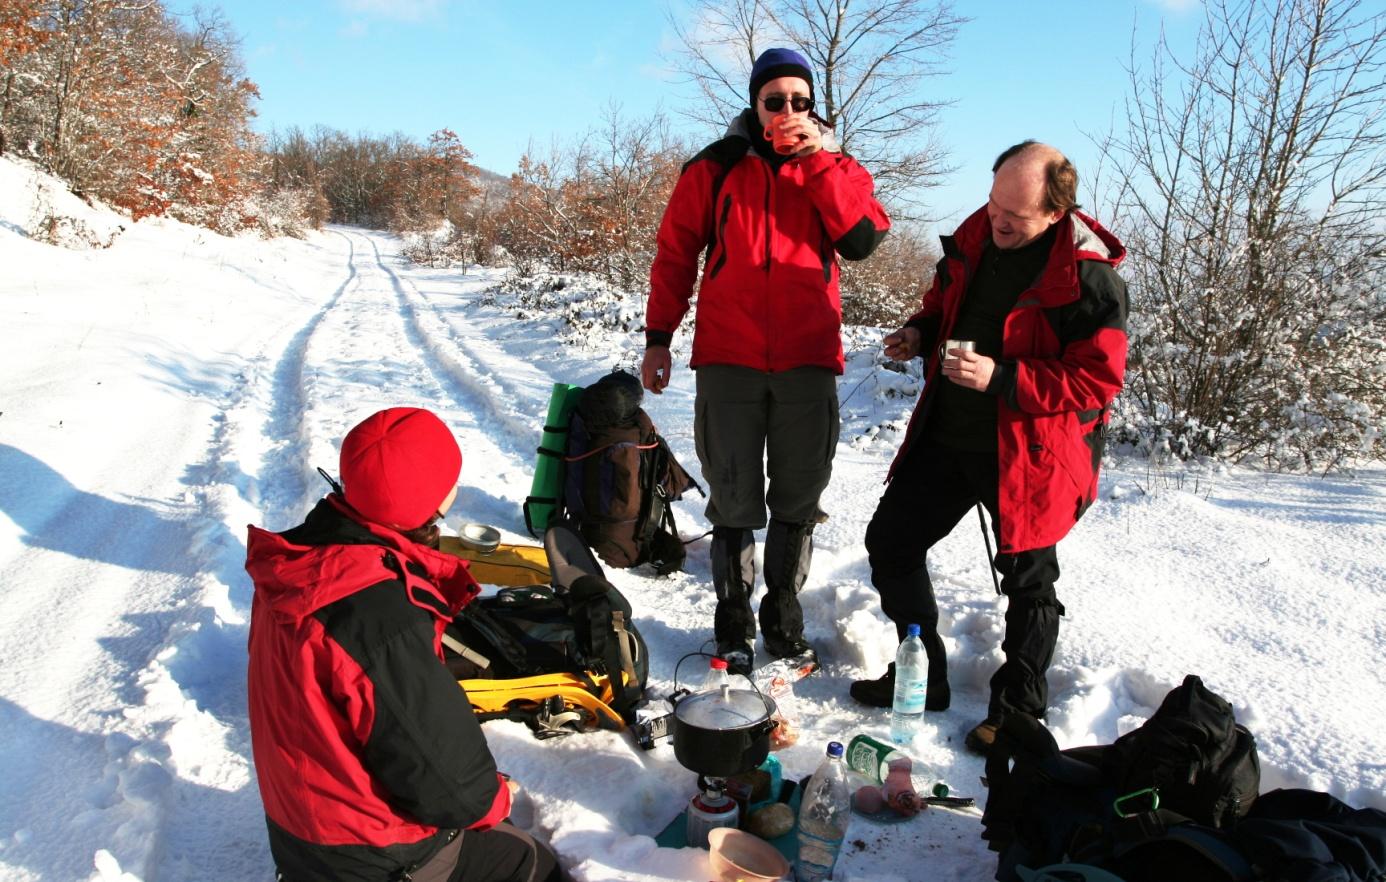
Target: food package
{"x": 780, "y": 688}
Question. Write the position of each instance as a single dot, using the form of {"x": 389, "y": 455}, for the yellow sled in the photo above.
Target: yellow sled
{"x": 552, "y": 704}
{"x": 507, "y": 565}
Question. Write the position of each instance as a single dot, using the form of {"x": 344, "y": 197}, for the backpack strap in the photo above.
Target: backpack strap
{"x": 625, "y": 644}
{"x": 466, "y": 651}
{"x": 556, "y": 501}
{"x": 512, "y": 652}
{"x": 1144, "y": 838}
{"x": 604, "y": 626}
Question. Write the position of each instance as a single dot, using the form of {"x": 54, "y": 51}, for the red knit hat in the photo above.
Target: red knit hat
{"x": 398, "y": 466}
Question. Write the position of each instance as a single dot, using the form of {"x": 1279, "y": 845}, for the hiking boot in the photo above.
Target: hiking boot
{"x": 937, "y": 695}
{"x": 881, "y": 692}
{"x": 800, "y": 658}
{"x": 739, "y": 659}
{"x": 876, "y": 693}
{"x": 982, "y": 738}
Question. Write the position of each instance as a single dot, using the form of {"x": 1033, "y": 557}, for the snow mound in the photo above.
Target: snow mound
{"x": 39, "y": 206}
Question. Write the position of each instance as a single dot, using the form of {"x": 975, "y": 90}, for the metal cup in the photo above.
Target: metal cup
{"x": 950, "y": 345}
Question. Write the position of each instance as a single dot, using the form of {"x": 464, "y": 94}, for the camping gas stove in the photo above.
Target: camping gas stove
{"x": 709, "y": 809}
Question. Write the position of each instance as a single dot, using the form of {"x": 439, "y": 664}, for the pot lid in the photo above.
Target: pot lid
{"x": 722, "y": 709}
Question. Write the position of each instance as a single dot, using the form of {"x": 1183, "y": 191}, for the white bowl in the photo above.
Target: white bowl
{"x": 479, "y": 537}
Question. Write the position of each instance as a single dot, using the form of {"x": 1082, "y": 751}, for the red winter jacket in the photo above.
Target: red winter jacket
{"x": 1063, "y": 360}
{"x": 361, "y": 736}
{"x": 769, "y": 296}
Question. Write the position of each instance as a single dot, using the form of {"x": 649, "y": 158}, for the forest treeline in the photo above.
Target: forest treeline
{"x": 1247, "y": 178}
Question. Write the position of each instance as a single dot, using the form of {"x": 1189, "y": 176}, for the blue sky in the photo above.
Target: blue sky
{"x": 504, "y": 73}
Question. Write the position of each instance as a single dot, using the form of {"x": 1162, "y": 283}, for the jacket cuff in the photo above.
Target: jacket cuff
{"x": 1002, "y": 383}
{"x": 500, "y": 807}
{"x": 658, "y": 338}
{"x": 921, "y": 325}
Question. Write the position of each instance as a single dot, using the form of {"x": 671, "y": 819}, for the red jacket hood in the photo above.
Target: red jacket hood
{"x": 297, "y": 580}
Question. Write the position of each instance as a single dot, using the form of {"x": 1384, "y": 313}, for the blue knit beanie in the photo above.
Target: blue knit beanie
{"x": 775, "y": 63}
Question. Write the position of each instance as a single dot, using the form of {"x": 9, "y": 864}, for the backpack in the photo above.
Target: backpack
{"x": 1193, "y": 751}
{"x": 562, "y": 658}
{"x": 620, "y": 478}
{"x": 1152, "y": 806}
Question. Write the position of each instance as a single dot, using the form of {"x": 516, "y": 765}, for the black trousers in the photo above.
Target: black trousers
{"x": 505, "y": 853}
{"x": 933, "y": 489}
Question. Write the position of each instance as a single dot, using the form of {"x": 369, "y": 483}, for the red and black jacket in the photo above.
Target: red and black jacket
{"x": 368, "y": 755}
{"x": 1063, "y": 361}
{"x": 772, "y": 232}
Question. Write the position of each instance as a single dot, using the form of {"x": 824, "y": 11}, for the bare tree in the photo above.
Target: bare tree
{"x": 594, "y": 205}
{"x": 1252, "y": 197}
{"x": 887, "y": 289}
{"x": 872, "y": 60}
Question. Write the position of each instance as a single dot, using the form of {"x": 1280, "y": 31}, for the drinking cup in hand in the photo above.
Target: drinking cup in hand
{"x": 946, "y": 349}
{"x": 785, "y": 143}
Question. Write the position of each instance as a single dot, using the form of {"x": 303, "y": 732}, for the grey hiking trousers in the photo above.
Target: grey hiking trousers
{"x": 749, "y": 424}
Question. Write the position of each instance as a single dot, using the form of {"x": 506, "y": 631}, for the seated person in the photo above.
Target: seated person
{"x": 370, "y": 761}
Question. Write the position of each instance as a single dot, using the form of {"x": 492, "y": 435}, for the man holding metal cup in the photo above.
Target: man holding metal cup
{"x": 1024, "y": 336}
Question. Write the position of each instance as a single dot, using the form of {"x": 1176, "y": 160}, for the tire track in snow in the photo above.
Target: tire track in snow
{"x": 382, "y": 355}
{"x": 285, "y": 476}
{"x": 261, "y": 406}
{"x": 468, "y": 378}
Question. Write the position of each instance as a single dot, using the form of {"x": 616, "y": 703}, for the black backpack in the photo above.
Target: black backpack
{"x": 1194, "y": 753}
{"x": 561, "y": 659}
{"x": 620, "y": 478}
{"x": 1152, "y": 806}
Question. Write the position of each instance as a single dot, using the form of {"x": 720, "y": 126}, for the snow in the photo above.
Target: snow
{"x": 165, "y": 391}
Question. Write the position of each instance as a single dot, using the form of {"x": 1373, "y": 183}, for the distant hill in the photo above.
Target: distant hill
{"x": 492, "y": 182}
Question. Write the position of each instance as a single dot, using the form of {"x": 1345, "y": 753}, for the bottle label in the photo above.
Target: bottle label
{"x": 866, "y": 756}
{"x": 817, "y": 854}
{"x": 909, "y": 697}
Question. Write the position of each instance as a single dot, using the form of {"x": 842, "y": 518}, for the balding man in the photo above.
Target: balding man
{"x": 1015, "y": 422}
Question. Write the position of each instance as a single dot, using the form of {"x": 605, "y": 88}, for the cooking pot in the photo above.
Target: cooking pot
{"x": 723, "y": 732}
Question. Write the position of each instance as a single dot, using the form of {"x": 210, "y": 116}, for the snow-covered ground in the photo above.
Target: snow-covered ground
{"x": 159, "y": 394}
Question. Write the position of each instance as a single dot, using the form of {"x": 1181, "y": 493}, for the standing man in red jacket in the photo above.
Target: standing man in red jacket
{"x": 767, "y": 347}
{"x": 1015, "y": 423}
{"x": 371, "y": 764}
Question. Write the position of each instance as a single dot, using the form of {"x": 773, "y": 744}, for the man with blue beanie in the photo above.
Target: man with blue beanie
{"x": 772, "y": 205}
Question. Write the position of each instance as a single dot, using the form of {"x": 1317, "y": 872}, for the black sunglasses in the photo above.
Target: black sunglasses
{"x": 775, "y": 103}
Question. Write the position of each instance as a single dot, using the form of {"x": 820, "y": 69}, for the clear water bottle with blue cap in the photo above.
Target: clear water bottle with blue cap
{"x": 823, "y": 815}
{"x": 911, "y": 676}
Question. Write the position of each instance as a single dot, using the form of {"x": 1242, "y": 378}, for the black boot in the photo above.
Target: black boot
{"x": 880, "y": 692}
{"x": 734, "y": 579}
{"x": 908, "y": 599}
{"x": 788, "y": 553}
{"x": 937, "y": 695}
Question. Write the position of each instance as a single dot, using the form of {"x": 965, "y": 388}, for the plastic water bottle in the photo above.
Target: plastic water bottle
{"x": 717, "y": 677}
{"x": 911, "y": 672}
{"x": 823, "y": 815}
